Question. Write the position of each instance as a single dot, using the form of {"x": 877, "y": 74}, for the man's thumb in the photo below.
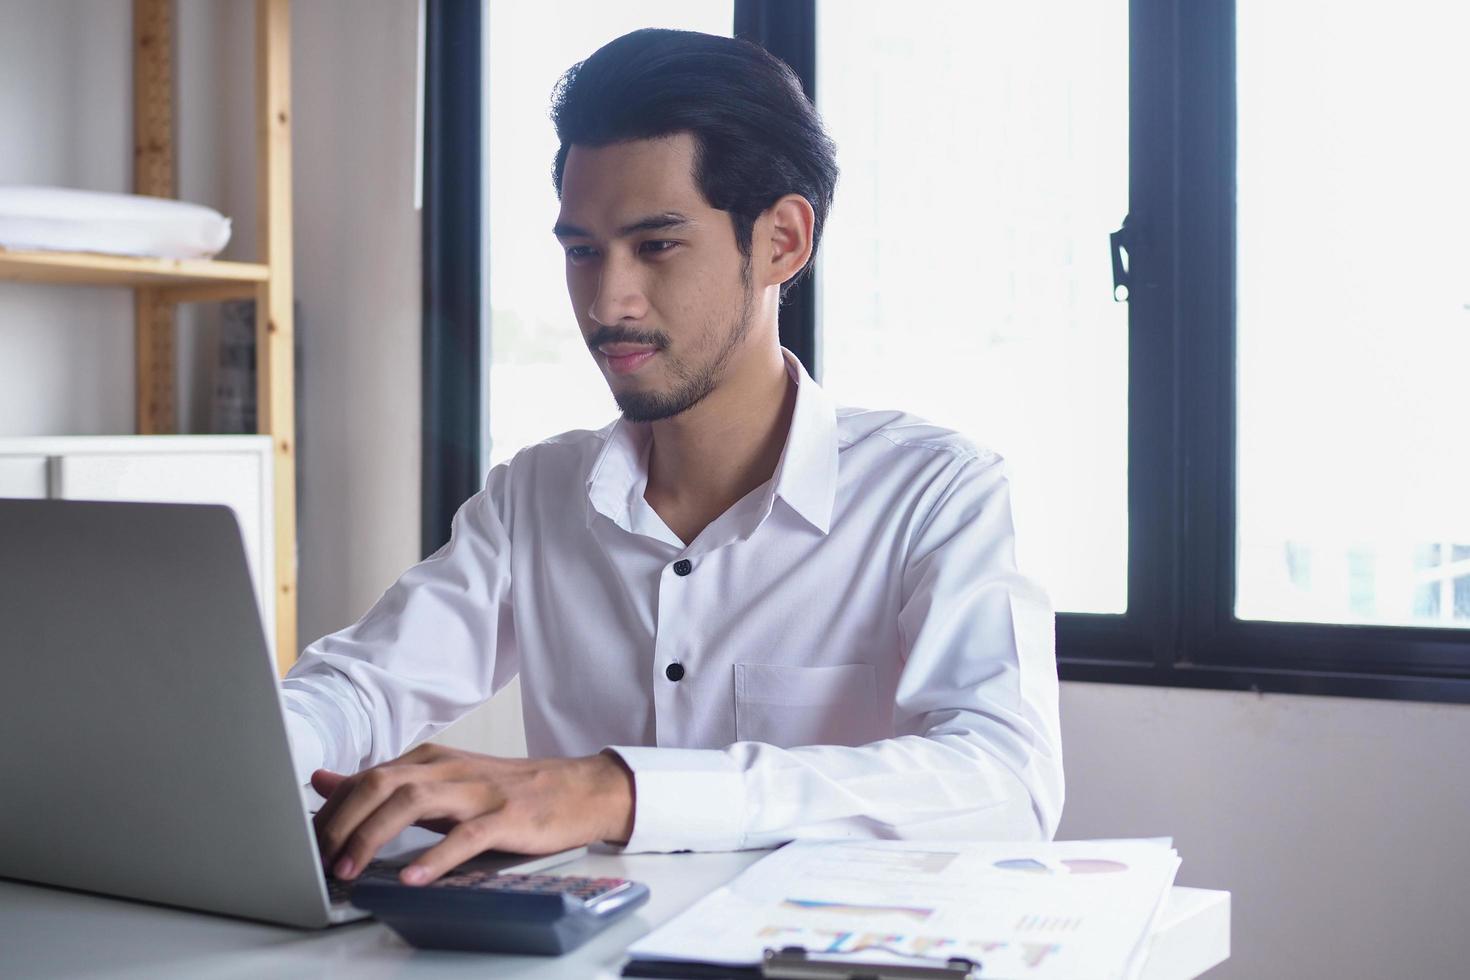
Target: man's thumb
{"x": 324, "y": 781}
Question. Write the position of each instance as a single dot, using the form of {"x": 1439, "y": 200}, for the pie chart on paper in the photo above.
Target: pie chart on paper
{"x": 1026, "y": 865}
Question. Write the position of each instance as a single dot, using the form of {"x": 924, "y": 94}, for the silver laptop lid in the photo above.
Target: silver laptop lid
{"x": 142, "y": 747}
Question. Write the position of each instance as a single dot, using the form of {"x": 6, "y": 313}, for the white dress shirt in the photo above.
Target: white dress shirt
{"x": 860, "y": 655}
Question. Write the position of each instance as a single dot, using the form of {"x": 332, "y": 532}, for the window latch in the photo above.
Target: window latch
{"x": 1119, "y": 242}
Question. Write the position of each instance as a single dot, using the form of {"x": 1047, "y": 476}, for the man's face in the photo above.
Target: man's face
{"x": 653, "y": 272}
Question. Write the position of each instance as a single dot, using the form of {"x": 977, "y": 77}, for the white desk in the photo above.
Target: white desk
{"x": 49, "y": 933}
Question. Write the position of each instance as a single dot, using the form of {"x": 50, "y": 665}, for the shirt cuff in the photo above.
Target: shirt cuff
{"x": 308, "y": 747}
{"x": 684, "y": 799}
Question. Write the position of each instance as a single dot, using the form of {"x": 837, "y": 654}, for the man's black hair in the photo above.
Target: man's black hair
{"x": 757, "y": 136}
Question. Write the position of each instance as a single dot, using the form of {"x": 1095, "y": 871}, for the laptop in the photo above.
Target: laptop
{"x": 143, "y": 749}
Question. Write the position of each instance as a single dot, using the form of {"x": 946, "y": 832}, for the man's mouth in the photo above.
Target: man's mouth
{"x": 623, "y": 358}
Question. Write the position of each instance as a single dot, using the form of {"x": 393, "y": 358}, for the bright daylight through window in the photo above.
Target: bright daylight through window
{"x": 965, "y": 274}
{"x": 1353, "y": 315}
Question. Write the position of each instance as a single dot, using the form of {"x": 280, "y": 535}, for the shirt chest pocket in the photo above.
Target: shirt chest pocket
{"x": 790, "y": 706}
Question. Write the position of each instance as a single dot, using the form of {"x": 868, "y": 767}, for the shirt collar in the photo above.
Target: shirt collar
{"x": 805, "y": 477}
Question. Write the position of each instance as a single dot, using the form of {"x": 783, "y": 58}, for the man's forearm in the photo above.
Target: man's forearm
{"x": 308, "y": 748}
{"x": 757, "y": 795}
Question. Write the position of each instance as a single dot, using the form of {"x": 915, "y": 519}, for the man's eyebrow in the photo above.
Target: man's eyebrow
{"x": 653, "y": 222}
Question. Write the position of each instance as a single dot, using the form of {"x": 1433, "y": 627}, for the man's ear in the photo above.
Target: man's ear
{"x": 788, "y": 225}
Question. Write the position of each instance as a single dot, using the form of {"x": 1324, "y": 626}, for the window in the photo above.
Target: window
{"x": 1353, "y": 313}
{"x": 964, "y": 272}
{"x": 1250, "y": 474}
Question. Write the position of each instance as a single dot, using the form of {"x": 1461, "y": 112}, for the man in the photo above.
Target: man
{"x": 740, "y": 614}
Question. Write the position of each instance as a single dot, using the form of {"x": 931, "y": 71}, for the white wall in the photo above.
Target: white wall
{"x": 357, "y": 278}
{"x": 1339, "y": 824}
{"x": 65, "y": 355}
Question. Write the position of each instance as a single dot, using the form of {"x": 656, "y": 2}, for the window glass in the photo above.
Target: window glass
{"x": 965, "y": 273}
{"x": 1353, "y": 305}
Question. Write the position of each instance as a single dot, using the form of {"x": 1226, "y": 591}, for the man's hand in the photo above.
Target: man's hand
{"x": 533, "y": 806}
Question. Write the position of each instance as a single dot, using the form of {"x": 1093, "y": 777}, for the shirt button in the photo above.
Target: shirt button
{"x": 674, "y": 672}
{"x": 683, "y": 566}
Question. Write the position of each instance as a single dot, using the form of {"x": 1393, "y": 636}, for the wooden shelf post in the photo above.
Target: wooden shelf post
{"x": 153, "y": 175}
{"x": 274, "y": 329}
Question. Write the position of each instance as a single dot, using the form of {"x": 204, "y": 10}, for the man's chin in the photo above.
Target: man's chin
{"x": 649, "y": 406}
{"x": 640, "y": 412}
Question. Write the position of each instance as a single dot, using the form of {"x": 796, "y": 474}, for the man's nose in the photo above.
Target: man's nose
{"x": 620, "y": 294}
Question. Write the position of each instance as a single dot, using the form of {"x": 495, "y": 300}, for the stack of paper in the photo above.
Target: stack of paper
{"x": 1075, "y": 909}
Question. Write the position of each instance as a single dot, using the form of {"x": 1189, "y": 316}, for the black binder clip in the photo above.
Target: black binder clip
{"x": 794, "y": 963}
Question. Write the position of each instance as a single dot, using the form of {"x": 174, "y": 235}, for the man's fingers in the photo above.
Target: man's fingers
{"x": 405, "y": 806}
{"x": 442, "y": 825}
{"x": 355, "y": 799}
{"x": 349, "y": 799}
{"x": 535, "y": 806}
{"x": 334, "y": 786}
{"x": 468, "y": 839}
{"x": 325, "y": 782}
{"x": 427, "y": 752}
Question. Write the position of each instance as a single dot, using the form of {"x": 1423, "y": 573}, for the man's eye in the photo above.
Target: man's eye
{"x": 578, "y": 252}
{"x": 659, "y": 246}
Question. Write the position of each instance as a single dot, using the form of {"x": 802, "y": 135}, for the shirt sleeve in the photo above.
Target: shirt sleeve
{"x": 977, "y": 751}
{"x": 438, "y": 643}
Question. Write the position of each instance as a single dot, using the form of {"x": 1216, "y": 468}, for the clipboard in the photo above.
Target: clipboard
{"x": 795, "y": 963}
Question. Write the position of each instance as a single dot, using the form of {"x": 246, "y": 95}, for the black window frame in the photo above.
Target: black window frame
{"x": 451, "y": 339}
{"x": 1179, "y": 629}
{"x": 1396, "y": 662}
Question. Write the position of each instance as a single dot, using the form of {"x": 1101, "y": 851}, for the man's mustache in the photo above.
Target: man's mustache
{"x": 621, "y": 335}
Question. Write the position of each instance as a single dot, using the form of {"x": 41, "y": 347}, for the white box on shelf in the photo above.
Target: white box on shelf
{"x": 23, "y": 476}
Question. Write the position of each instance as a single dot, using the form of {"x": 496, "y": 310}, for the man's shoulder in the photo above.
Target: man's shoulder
{"x": 575, "y": 447}
{"x": 893, "y": 435}
{"x": 543, "y": 471}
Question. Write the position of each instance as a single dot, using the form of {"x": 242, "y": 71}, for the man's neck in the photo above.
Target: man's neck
{"x": 705, "y": 459}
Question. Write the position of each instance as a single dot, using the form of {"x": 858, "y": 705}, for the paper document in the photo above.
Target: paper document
{"x": 1077, "y": 909}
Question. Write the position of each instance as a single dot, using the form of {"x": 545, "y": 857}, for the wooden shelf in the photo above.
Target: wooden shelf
{"x": 159, "y": 284}
{"x": 181, "y": 279}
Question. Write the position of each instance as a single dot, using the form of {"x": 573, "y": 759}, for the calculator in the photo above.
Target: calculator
{"x": 483, "y": 911}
